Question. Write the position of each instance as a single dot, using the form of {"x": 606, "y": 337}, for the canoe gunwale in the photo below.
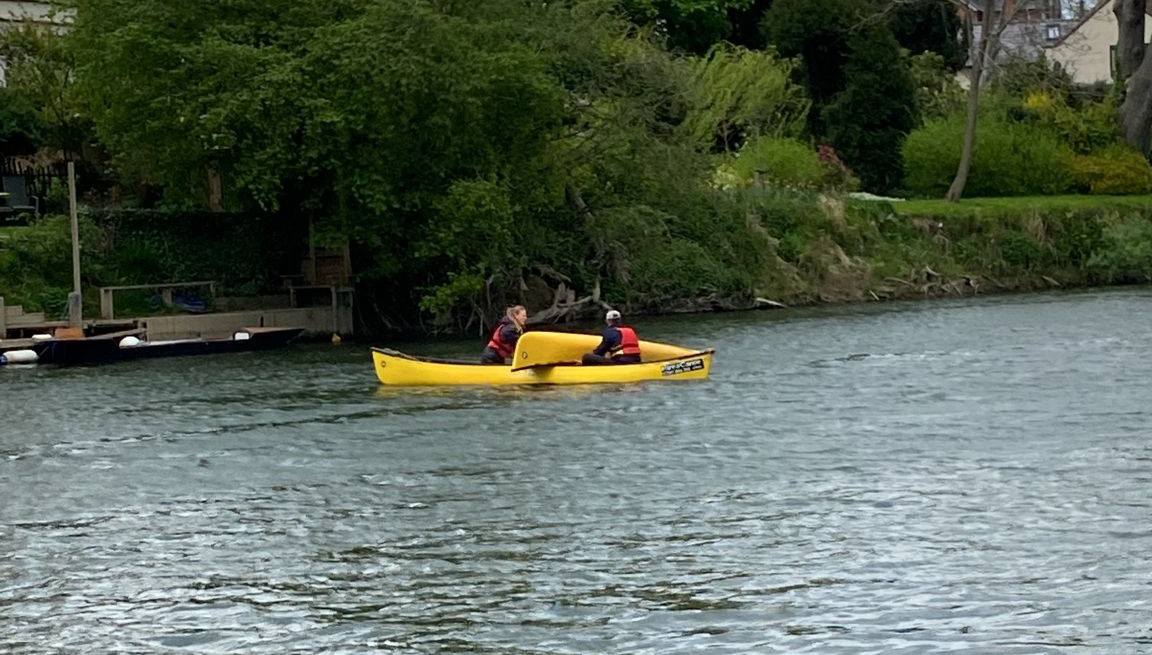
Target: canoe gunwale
{"x": 404, "y": 370}
{"x": 460, "y": 362}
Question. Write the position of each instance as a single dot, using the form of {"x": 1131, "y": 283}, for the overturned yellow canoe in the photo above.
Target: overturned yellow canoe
{"x": 398, "y": 369}
{"x": 542, "y": 348}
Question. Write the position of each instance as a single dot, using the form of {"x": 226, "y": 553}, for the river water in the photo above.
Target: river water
{"x": 967, "y": 476}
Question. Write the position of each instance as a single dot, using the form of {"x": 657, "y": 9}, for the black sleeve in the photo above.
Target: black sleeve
{"x": 611, "y": 340}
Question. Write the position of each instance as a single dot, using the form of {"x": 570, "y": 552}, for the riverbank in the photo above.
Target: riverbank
{"x": 762, "y": 248}
{"x": 887, "y": 250}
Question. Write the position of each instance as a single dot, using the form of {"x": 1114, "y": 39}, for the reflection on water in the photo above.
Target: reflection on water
{"x": 963, "y": 476}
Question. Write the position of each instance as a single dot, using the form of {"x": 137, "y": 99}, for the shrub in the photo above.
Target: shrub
{"x": 1117, "y": 170}
{"x": 781, "y": 163}
{"x": 1126, "y": 256}
{"x": 1085, "y": 128}
{"x": 1010, "y": 159}
{"x": 786, "y": 164}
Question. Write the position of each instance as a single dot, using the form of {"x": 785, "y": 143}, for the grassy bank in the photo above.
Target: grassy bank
{"x": 1005, "y": 206}
{"x": 983, "y": 245}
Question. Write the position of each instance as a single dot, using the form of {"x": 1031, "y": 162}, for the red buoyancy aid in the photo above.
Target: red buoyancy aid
{"x": 498, "y": 344}
{"x": 629, "y": 343}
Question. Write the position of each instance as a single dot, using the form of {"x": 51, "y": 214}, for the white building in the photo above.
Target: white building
{"x": 1088, "y": 50}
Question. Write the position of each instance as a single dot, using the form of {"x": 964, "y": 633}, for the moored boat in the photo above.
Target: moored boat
{"x": 545, "y": 364}
{"x": 106, "y": 349}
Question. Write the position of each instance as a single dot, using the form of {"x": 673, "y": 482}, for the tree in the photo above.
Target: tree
{"x": 816, "y": 31}
{"x": 739, "y": 94}
{"x": 1134, "y": 71}
{"x": 861, "y": 85}
{"x": 20, "y": 126}
{"x": 868, "y": 121}
{"x": 930, "y": 26}
{"x": 691, "y": 25}
{"x": 39, "y": 77}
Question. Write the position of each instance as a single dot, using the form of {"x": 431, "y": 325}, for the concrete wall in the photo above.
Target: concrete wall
{"x": 316, "y": 321}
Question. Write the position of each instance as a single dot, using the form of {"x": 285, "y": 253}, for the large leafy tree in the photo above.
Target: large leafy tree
{"x": 696, "y": 25}
{"x": 40, "y": 108}
{"x": 868, "y": 121}
{"x": 185, "y": 93}
{"x": 863, "y": 96}
{"x": 929, "y": 26}
{"x": 457, "y": 144}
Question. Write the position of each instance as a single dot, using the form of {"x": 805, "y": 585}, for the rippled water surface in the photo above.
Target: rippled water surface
{"x": 953, "y": 476}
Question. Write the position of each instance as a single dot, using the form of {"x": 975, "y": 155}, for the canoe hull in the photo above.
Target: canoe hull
{"x": 397, "y": 369}
{"x": 107, "y": 350}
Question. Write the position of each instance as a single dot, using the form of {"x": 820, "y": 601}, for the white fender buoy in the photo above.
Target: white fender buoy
{"x": 129, "y": 342}
{"x": 19, "y": 357}
{"x": 241, "y": 336}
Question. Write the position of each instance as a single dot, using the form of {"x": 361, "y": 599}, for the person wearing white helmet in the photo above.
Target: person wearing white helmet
{"x": 618, "y": 345}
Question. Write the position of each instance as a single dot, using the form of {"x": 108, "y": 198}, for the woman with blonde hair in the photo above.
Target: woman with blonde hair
{"x": 502, "y": 345}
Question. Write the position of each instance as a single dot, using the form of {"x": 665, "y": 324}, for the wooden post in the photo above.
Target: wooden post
{"x": 107, "y": 311}
{"x": 3, "y": 319}
{"x": 75, "y": 303}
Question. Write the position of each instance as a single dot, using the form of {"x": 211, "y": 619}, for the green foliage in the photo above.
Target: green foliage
{"x": 781, "y": 163}
{"x": 1115, "y": 170}
{"x": 20, "y": 127}
{"x": 1020, "y": 76}
{"x": 178, "y": 91}
{"x": 862, "y": 91}
{"x": 241, "y": 253}
{"x": 1126, "y": 255}
{"x": 41, "y": 71}
{"x": 930, "y": 27}
{"x": 937, "y": 92}
{"x": 36, "y": 263}
{"x": 1011, "y": 159}
{"x": 1085, "y": 127}
{"x": 740, "y": 94}
{"x": 444, "y": 298}
{"x": 686, "y": 25}
{"x": 868, "y": 121}
{"x": 818, "y": 32}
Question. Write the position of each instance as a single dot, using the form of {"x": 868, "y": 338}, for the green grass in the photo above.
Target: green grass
{"x": 977, "y": 206}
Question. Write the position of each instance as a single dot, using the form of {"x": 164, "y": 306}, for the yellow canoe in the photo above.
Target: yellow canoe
{"x": 541, "y": 348}
{"x": 398, "y": 369}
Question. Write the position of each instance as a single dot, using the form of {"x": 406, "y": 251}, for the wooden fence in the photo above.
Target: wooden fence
{"x": 39, "y": 178}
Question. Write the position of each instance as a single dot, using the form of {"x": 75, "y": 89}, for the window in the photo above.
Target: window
{"x": 1053, "y": 32}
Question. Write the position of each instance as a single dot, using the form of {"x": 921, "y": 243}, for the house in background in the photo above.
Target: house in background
{"x": 1031, "y": 26}
{"x": 1088, "y": 50}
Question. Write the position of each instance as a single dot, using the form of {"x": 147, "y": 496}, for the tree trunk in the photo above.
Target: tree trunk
{"x": 1136, "y": 73}
{"x": 1136, "y": 110}
{"x": 983, "y": 51}
{"x": 1130, "y": 44}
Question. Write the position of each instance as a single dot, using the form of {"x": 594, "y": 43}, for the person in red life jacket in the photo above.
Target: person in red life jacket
{"x": 619, "y": 344}
{"x": 502, "y": 345}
